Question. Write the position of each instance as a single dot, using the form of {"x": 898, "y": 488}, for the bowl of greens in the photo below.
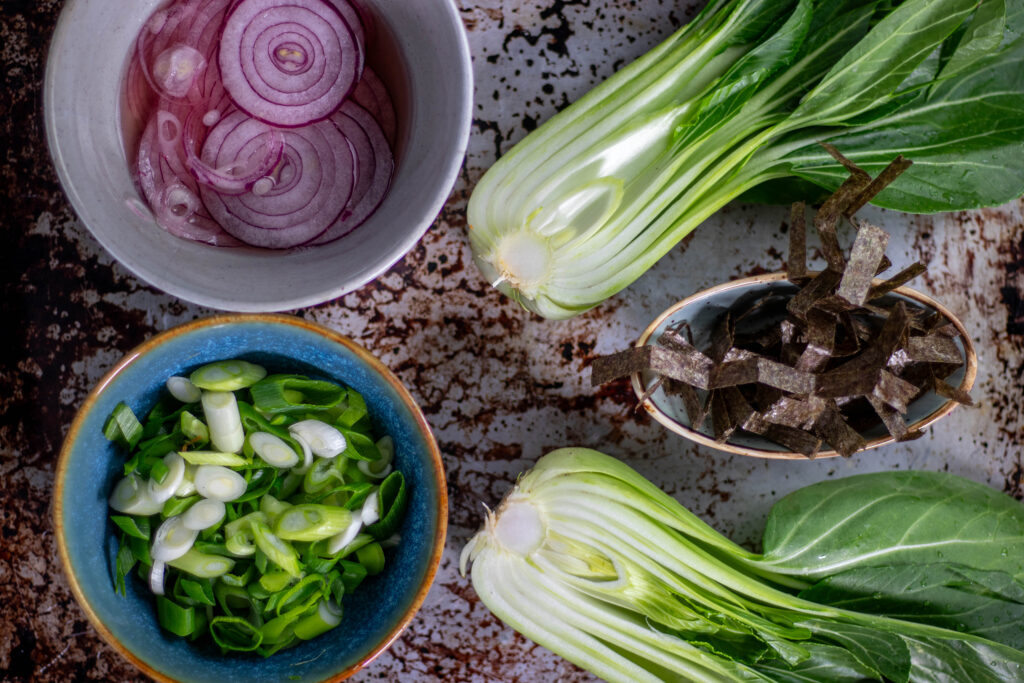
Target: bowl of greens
{"x": 250, "y": 497}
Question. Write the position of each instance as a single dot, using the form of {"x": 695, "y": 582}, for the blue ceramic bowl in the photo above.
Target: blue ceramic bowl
{"x": 89, "y": 465}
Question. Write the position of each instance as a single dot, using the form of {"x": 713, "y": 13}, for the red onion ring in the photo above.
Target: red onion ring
{"x": 372, "y": 95}
{"x": 374, "y": 168}
{"x": 167, "y": 185}
{"x": 312, "y": 185}
{"x": 288, "y": 64}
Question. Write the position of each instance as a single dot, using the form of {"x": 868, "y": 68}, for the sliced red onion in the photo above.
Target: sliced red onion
{"x": 169, "y": 190}
{"x": 177, "y": 68}
{"x": 241, "y": 172}
{"x": 374, "y": 168}
{"x": 310, "y": 186}
{"x": 288, "y": 62}
{"x": 372, "y": 95}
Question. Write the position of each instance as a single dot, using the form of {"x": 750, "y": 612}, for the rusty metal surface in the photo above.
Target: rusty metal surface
{"x": 498, "y": 386}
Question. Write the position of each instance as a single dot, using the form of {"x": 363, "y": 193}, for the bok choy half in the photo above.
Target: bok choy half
{"x": 895, "y": 576}
{"x": 735, "y": 103}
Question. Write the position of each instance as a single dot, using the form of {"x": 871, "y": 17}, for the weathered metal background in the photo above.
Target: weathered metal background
{"x": 499, "y": 387}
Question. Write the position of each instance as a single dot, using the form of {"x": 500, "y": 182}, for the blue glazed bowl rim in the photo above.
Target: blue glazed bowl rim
{"x": 231, "y": 319}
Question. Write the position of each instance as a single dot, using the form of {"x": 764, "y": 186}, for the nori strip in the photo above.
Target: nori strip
{"x": 865, "y": 257}
{"x": 890, "y": 173}
{"x": 833, "y": 430}
{"x": 796, "y": 267}
{"x": 894, "y": 391}
{"x": 896, "y": 281}
{"x": 796, "y": 440}
{"x": 933, "y": 348}
{"x": 820, "y": 287}
{"x": 946, "y": 390}
{"x": 696, "y": 411}
{"x": 892, "y": 420}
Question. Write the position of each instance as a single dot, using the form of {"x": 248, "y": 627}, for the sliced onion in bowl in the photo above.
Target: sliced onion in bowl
{"x": 288, "y": 63}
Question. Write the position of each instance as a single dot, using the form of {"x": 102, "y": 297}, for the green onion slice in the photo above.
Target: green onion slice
{"x": 235, "y": 634}
{"x": 227, "y": 375}
{"x": 311, "y": 522}
{"x": 213, "y": 458}
{"x": 391, "y": 500}
{"x": 162, "y": 490}
{"x": 204, "y": 514}
{"x": 223, "y": 420}
{"x": 203, "y": 565}
{"x": 324, "y": 440}
{"x": 278, "y": 551}
{"x": 183, "y": 390}
{"x": 137, "y": 527}
{"x": 177, "y": 506}
{"x": 273, "y": 450}
{"x": 295, "y": 394}
{"x": 172, "y": 540}
{"x": 131, "y": 496}
{"x": 180, "y": 621}
{"x": 372, "y": 557}
{"x": 123, "y": 427}
{"x": 219, "y": 483}
{"x": 326, "y": 617}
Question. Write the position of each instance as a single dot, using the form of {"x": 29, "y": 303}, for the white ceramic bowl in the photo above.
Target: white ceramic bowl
{"x": 426, "y": 62}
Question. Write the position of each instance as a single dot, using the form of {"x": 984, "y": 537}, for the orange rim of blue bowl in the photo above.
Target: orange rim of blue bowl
{"x": 361, "y": 353}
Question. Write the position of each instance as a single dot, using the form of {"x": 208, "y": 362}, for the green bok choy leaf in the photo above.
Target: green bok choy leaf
{"x": 589, "y": 559}
{"x": 739, "y": 98}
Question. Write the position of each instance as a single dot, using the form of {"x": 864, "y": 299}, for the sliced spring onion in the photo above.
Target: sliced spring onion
{"x": 327, "y": 616}
{"x": 339, "y": 541}
{"x": 360, "y": 446}
{"x": 273, "y": 450}
{"x": 307, "y": 456}
{"x": 213, "y": 458}
{"x": 200, "y": 592}
{"x": 356, "y": 411}
{"x": 275, "y": 581}
{"x": 235, "y": 633}
{"x": 181, "y": 621}
{"x": 183, "y": 390}
{"x": 323, "y": 472}
{"x": 391, "y": 498}
{"x": 295, "y": 394}
{"x": 176, "y": 506}
{"x": 204, "y": 514}
{"x": 272, "y": 507}
{"x": 324, "y": 440}
{"x": 223, "y": 420}
{"x": 381, "y": 467}
{"x": 172, "y": 540}
{"x": 194, "y": 429}
{"x": 278, "y": 551}
{"x": 219, "y": 483}
{"x": 188, "y": 484}
{"x": 238, "y": 537}
{"x": 370, "y": 511}
{"x": 123, "y": 427}
{"x": 203, "y": 565}
{"x": 371, "y": 556}
{"x": 131, "y": 496}
{"x": 162, "y": 491}
{"x": 227, "y": 375}
{"x": 136, "y": 527}
{"x": 311, "y": 522}
{"x": 156, "y": 577}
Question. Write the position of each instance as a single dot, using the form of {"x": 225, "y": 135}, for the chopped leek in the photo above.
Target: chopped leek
{"x": 194, "y": 429}
{"x": 327, "y": 616}
{"x": 131, "y": 496}
{"x": 123, "y": 427}
{"x": 162, "y": 491}
{"x": 295, "y": 394}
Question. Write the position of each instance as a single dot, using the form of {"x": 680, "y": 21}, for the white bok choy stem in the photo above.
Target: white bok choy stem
{"x": 586, "y": 203}
{"x": 589, "y": 559}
